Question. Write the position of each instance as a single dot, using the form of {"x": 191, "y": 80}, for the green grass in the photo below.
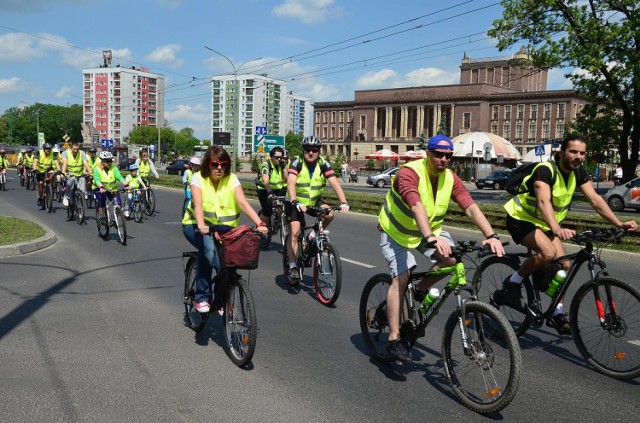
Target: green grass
{"x": 14, "y": 230}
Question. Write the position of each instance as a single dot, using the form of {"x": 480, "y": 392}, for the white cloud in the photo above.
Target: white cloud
{"x": 79, "y": 59}
{"x": 430, "y": 76}
{"x": 166, "y": 55}
{"x": 308, "y": 11}
{"x": 17, "y": 47}
{"x": 376, "y": 79}
{"x": 13, "y": 85}
{"x": 196, "y": 117}
{"x": 64, "y": 92}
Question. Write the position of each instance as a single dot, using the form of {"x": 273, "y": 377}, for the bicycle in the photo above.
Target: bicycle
{"x": 483, "y": 366}
{"x": 149, "y": 198}
{"x": 232, "y": 295}
{"x": 31, "y": 183}
{"x": 77, "y": 204}
{"x": 604, "y": 313}
{"x": 3, "y": 181}
{"x": 327, "y": 266}
{"x": 114, "y": 217}
{"x": 136, "y": 209}
{"x": 47, "y": 191}
{"x": 58, "y": 187}
{"x": 89, "y": 196}
{"x": 21, "y": 175}
{"x": 278, "y": 223}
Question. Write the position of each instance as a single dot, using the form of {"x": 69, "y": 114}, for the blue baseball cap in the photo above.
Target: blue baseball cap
{"x": 440, "y": 141}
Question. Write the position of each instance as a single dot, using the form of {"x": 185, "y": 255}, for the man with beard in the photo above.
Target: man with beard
{"x": 534, "y": 220}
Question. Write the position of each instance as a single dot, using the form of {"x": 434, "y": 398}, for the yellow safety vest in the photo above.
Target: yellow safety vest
{"x": 108, "y": 179}
{"x": 309, "y": 188}
{"x": 28, "y": 160}
{"x": 3, "y": 162}
{"x": 525, "y": 207}
{"x": 219, "y": 206}
{"x": 45, "y": 163}
{"x": 276, "y": 182}
{"x": 20, "y": 160}
{"x": 144, "y": 168}
{"x": 396, "y": 217}
{"x": 132, "y": 181}
{"x": 74, "y": 164}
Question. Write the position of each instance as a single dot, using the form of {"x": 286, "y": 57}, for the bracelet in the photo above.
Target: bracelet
{"x": 426, "y": 238}
{"x": 261, "y": 224}
{"x": 493, "y": 235}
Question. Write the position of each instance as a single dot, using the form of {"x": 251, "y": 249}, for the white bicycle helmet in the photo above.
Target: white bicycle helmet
{"x": 195, "y": 161}
{"x": 311, "y": 142}
{"x": 23, "y": 150}
{"x": 133, "y": 166}
{"x": 106, "y": 155}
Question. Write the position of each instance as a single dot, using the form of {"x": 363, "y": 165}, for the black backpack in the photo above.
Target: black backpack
{"x": 514, "y": 184}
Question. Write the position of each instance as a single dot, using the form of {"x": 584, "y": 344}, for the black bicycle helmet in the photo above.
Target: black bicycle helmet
{"x": 93, "y": 150}
{"x": 311, "y": 142}
{"x": 47, "y": 146}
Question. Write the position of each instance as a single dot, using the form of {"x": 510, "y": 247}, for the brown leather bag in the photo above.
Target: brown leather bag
{"x": 239, "y": 248}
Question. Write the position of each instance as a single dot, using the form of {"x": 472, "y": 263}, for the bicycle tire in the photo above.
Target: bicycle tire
{"x": 138, "y": 213}
{"x": 58, "y": 193}
{"x": 373, "y": 316}
{"x": 70, "y": 211}
{"x": 265, "y": 240}
{"x": 193, "y": 318}
{"x": 80, "y": 207}
{"x": 613, "y": 351}
{"x": 488, "y": 278}
{"x": 240, "y": 323}
{"x": 103, "y": 226}
{"x": 21, "y": 177}
{"x": 149, "y": 202}
{"x": 29, "y": 182}
{"x": 184, "y": 207}
{"x": 327, "y": 274}
{"x": 3, "y": 182}
{"x": 285, "y": 260}
{"x": 121, "y": 225}
{"x": 488, "y": 379}
{"x": 284, "y": 229}
{"x": 90, "y": 200}
{"x": 48, "y": 198}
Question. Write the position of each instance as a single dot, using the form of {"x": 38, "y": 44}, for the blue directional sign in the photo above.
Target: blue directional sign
{"x": 539, "y": 149}
{"x": 261, "y": 130}
{"x": 106, "y": 143}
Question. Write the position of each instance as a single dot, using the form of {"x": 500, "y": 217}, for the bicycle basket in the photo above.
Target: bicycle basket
{"x": 239, "y": 248}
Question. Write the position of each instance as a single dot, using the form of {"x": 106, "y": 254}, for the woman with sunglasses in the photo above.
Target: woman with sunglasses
{"x": 412, "y": 218}
{"x": 271, "y": 182}
{"x": 216, "y": 199}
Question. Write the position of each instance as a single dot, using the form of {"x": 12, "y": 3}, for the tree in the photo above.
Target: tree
{"x": 293, "y": 143}
{"x": 422, "y": 141}
{"x": 601, "y": 38}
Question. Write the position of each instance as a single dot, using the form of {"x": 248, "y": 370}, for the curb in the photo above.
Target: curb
{"x": 49, "y": 238}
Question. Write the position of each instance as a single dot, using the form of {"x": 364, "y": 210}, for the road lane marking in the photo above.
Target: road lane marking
{"x": 357, "y": 263}
{"x": 636, "y": 342}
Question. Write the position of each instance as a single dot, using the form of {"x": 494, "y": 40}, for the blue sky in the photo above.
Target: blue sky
{"x": 323, "y": 49}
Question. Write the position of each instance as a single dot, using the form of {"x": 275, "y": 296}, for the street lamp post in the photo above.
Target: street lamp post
{"x": 238, "y": 135}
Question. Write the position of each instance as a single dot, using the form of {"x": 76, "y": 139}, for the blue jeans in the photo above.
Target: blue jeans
{"x": 206, "y": 260}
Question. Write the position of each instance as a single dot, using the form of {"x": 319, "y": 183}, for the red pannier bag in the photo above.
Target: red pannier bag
{"x": 239, "y": 248}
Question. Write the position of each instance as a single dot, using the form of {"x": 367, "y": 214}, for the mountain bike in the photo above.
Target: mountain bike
{"x": 89, "y": 195}
{"x": 149, "y": 198}
{"x": 21, "y": 175}
{"x": 136, "y": 208}
{"x": 230, "y": 294}
{"x": 327, "y": 266}
{"x": 278, "y": 223}
{"x": 114, "y": 217}
{"x": 77, "y": 205}
{"x": 480, "y": 351}
{"x": 47, "y": 191}
{"x": 58, "y": 186}
{"x": 31, "y": 183}
{"x": 604, "y": 312}
{"x": 3, "y": 181}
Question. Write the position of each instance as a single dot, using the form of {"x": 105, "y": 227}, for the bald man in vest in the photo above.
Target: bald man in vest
{"x": 412, "y": 219}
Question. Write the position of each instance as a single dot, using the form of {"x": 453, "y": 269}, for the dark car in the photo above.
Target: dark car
{"x": 177, "y": 167}
{"x": 495, "y": 180}
{"x": 124, "y": 164}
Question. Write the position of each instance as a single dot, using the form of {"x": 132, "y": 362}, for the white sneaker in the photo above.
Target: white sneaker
{"x": 126, "y": 213}
{"x": 203, "y": 307}
{"x": 65, "y": 202}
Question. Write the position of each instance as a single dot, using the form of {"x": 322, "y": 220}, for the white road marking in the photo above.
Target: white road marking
{"x": 636, "y": 342}
{"x": 357, "y": 263}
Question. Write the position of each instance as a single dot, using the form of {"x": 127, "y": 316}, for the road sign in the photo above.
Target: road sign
{"x": 66, "y": 138}
{"x": 487, "y": 146}
{"x": 264, "y": 143}
{"x": 539, "y": 149}
{"x": 222, "y": 138}
{"x": 106, "y": 143}
{"x": 261, "y": 130}
{"x": 487, "y": 156}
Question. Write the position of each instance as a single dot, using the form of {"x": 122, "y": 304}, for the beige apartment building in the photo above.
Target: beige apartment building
{"x": 506, "y": 96}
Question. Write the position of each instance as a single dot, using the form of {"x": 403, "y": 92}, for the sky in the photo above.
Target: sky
{"x": 323, "y": 49}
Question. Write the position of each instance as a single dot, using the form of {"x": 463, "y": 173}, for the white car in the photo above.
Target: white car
{"x": 624, "y": 196}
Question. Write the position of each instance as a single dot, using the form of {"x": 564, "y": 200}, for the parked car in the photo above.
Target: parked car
{"x": 383, "y": 178}
{"x": 495, "y": 180}
{"x": 124, "y": 164}
{"x": 177, "y": 167}
{"x": 623, "y": 196}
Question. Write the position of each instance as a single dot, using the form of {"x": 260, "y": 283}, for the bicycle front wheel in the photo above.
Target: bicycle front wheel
{"x": 103, "y": 226}
{"x": 486, "y": 377}
{"x": 488, "y": 279}
{"x": 611, "y": 347}
{"x": 121, "y": 226}
{"x": 149, "y": 202}
{"x": 327, "y": 274}
{"x": 137, "y": 211}
{"x": 81, "y": 206}
{"x": 240, "y": 323}
{"x": 193, "y": 318}
{"x": 374, "y": 323}
{"x": 48, "y": 198}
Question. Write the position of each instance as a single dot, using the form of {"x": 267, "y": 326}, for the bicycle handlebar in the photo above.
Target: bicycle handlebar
{"x": 599, "y": 235}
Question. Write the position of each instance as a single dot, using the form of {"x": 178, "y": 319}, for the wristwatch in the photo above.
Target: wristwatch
{"x": 493, "y": 235}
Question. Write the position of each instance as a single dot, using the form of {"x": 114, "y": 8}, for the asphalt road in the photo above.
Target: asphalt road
{"x": 91, "y": 330}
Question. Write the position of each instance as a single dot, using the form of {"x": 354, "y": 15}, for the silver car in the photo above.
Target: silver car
{"x": 623, "y": 196}
{"x": 383, "y": 178}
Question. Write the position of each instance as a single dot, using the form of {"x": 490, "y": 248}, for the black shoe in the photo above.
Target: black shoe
{"x": 560, "y": 323}
{"x": 39, "y": 202}
{"x": 398, "y": 350}
{"x": 509, "y": 295}
{"x": 294, "y": 276}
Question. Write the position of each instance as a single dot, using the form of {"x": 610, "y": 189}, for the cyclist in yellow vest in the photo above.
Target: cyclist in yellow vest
{"x": 306, "y": 181}
{"x": 27, "y": 161}
{"x": 134, "y": 182}
{"x": 105, "y": 182}
{"x": 4, "y": 163}
{"x": 534, "y": 220}
{"x": 216, "y": 200}
{"x": 412, "y": 218}
{"x": 45, "y": 162}
{"x": 20, "y": 161}
{"x": 91, "y": 158}
{"x": 146, "y": 166}
{"x": 75, "y": 162}
{"x": 271, "y": 182}
{"x": 194, "y": 167}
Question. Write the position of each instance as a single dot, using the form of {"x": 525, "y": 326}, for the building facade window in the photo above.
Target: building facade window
{"x": 507, "y": 112}
{"x": 466, "y": 120}
{"x": 495, "y": 112}
{"x": 546, "y": 131}
{"x": 363, "y": 122}
{"x": 561, "y": 110}
{"x": 560, "y": 130}
{"x": 494, "y": 128}
{"x": 519, "y": 131}
{"x": 533, "y": 111}
{"x": 520, "y": 112}
{"x": 506, "y": 131}
{"x": 547, "y": 111}
{"x": 532, "y": 131}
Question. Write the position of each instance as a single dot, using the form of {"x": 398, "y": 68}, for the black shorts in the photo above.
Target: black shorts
{"x": 518, "y": 229}
{"x": 295, "y": 215}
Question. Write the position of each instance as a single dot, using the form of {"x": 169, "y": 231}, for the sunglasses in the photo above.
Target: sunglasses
{"x": 108, "y": 161}
{"x": 311, "y": 150}
{"x": 441, "y": 154}
{"x": 277, "y": 157}
{"x": 218, "y": 165}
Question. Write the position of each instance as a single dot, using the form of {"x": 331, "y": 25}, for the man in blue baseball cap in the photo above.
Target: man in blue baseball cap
{"x": 412, "y": 219}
